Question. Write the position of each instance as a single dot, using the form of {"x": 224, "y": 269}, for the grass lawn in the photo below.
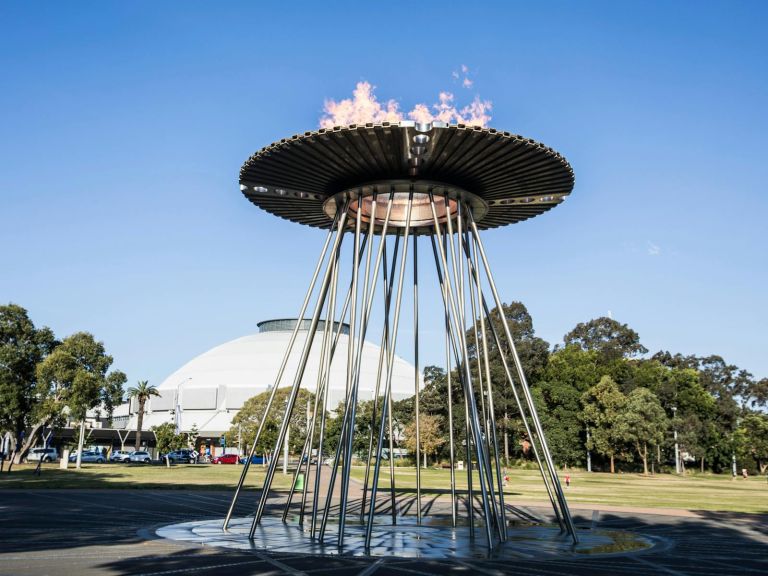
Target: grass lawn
{"x": 696, "y": 492}
{"x": 140, "y": 476}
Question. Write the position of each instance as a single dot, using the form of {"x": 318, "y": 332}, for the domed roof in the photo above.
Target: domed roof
{"x": 212, "y": 387}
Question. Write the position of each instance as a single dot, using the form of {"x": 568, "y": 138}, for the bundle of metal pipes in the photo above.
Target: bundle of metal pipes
{"x": 385, "y": 222}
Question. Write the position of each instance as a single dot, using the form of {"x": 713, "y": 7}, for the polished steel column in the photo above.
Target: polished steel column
{"x": 526, "y": 391}
{"x": 283, "y": 364}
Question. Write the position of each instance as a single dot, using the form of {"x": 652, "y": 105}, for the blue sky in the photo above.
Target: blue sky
{"x": 123, "y": 127}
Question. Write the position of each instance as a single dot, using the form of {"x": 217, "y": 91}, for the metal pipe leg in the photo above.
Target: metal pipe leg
{"x": 281, "y": 370}
{"x": 390, "y": 364}
{"x": 529, "y": 399}
{"x": 417, "y": 409}
{"x": 297, "y": 381}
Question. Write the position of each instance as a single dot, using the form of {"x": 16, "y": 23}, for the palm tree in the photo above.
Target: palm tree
{"x": 141, "y": 392}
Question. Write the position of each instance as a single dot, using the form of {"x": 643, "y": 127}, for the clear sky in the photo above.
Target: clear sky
{"x": 123, "y": 127}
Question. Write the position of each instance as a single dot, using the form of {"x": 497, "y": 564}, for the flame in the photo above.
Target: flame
{"x": 365, "y": 107}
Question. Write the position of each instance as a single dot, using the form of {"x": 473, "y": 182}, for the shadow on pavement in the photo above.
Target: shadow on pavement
{"x": 111, "y": 528}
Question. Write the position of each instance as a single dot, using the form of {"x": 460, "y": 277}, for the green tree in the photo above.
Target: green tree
{"x": 72, "y": 377}
{"x": 533, "y": 353}
{"x": 603, "y": 407}
{"x": 754, "y": 438}
{"x": 570, "y": 372}
{"x": 642, "y": 423}
{"x": 167, "y": 439}
{"x": 22, "y": 347}
{"x": 112, "y": 392}
{"x": 247, "y": 420}
{"x": 612, "y": 339}
{"x": 141, "y": 392}
{"x": 532, "y": 350}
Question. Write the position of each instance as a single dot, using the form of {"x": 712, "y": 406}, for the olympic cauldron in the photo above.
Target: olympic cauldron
{"x": 383, "y": 187}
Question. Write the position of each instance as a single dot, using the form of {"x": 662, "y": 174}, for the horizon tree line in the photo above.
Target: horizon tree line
{"x": 598, "y": 391}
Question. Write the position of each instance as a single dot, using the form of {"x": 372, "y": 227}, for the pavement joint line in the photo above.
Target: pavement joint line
{"x": 277, "y": 564}
{"x": 372, "y": 568}
{"x": 742, "y": 569}
{"x": 411, "y": 570}
{"x": 199, "y": 568}
{"x": 475, "y": 568}
{"x": 658, "y": 567}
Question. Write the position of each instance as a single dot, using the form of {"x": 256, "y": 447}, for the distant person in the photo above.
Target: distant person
{"x": 567, "y": 480}
{"x": 744, "y": 473}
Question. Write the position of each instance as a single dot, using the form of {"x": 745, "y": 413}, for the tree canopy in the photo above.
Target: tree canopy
{"x": 246, "y": 422}
{"x": 22, "y": 348}
{"x": 610, "y": 338}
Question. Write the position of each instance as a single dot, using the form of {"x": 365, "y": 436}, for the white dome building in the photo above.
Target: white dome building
{"x": 207, "y": 392}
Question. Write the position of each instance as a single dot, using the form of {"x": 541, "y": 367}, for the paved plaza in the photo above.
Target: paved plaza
{"x": 113, "y": 532}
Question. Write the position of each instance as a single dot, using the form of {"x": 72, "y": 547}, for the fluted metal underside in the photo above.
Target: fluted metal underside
{"x": 516, "y": 177}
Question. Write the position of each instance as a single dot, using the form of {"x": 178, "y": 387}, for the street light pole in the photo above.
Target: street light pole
{"x": 81, "y": 442}
{"x": 677, "y": 450}
{"x": 285, "y": 449}
{"x": 177, "y": 412}
{"x": 733, "y": 449}
{"x": 239, "y": 442}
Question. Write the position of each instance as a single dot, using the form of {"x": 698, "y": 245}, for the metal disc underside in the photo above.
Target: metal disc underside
{"x": 514, "y": 178}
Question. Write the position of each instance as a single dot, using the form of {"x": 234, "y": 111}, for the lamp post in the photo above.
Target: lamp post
{"x": 677, "y": 449}
{"x": 239, "y": 442}
{"x": 177, "y": 417}
{"x": 285, "y": 445}
{"x": 733, "y": 449}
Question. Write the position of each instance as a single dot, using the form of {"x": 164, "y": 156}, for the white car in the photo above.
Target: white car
{"x": 89, "y": 456}
{"x": 140, "y": 456}
{"x": 44, "y": 454}
{"x": 120, "y": 456}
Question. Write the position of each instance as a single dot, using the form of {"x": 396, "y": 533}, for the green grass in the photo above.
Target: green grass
{"x": 137, "y": 476}
{"x": 695, "y": 492}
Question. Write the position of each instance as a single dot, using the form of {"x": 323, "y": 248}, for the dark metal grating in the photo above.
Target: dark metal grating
{"x": 517, "y": 177}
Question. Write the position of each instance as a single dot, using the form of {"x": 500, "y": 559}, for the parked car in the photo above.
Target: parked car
{"x": 225, "y": 459}
{"x": 120, "y": 456}
{"x": 254, "y": 459}
{"x": 182, "y": 456}
{"x": 89, "y": 456}
{"x": 44, "y": 454}
{"x": 140, "y": 456}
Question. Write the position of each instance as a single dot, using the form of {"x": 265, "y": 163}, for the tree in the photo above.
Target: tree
{"x": 167, "y": 439}
{"x": 532, "y": 350}
{"x": 431, "y": 435}
{"x": 642, "y": 423}
{"x": 570, "y": 372}
{"x": 141, "y": 392}
{"x": 247, "y": 420}
{"x": 610, "y": 338}
{"x": 533, "y": 353}
{"x": 22, "y": 347}
{"x": 112, "y": 393}
{"x": 603, "y": 405}
{"x": 70, "y": 379}
{"x": 754, "y": 433}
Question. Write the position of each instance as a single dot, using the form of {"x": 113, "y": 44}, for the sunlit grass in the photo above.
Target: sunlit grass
{"x": 119, "y": 476}
{"x": 694, "y": 492}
